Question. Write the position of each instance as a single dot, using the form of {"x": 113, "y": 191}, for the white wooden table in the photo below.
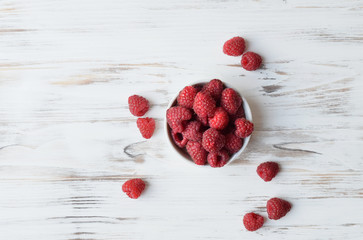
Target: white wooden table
{"x": 68, "y": 141}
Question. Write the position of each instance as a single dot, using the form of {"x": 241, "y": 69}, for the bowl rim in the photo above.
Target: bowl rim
{"x": 179, "y": 152}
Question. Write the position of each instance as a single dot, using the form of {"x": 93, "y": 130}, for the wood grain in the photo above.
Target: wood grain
{"x": 68, "y": 141}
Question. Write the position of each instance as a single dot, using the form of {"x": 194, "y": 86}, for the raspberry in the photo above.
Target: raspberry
{"x": 146, "y": 126}
{"x": 133, "y": 187}
{"x": 251, "y": 61}
{"x": 239, "y": 114}
{"x": 267, "y": 170}
{"x": 179, "y": 139}
{"x": 244, "y": 128}
{"x": 233, "y": 143}
{"x": 234, "y": 46}
{"x": 203, "y": 120}
{"x": 230, "y": 100}
{"x": 215, "y": 88}
{"x": 138, "y": 105}
{"x": 186, "y": 97}
{"x": 220, "y": 119}
{"x": 213, "y": 140}
{"x": 177, "y": 117}
{"x": 252, "y": 221}
{"x": 218, "y": 159}
{"x": 204, "y": 105}
{"x": 277, "y": 208}
{"x": 197, "y": 152}
{"x": 193, "y": 131}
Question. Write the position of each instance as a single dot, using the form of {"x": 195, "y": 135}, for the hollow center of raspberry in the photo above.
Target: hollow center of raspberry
{"x": 179, "y": 137}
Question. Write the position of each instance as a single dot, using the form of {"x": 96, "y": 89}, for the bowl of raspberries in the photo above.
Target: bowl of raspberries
{"x": 209, "y": 123}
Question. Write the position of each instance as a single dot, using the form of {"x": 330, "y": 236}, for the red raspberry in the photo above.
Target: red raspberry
{"x": 230, "y": 100}
{"x": 193, "y": 131}
{"x": 233, "y": 143}
{"x": 267, "y": 170}
{"x": 197, "y": 152}
{"x": 234, "y": 46}
{"x": 220, "y": 119}
{"x": 251, "y": 61}
{"x": 133, "y": 187}
{"x": 179, "y": 139}
{"x": 239, "y": 114}
{"x": 204, "y": 105}
{"x": 218, "y": 159}
{"x": 252, "y": 221}
{"x": 146, "y": 126}
{"x": 177, "y": 117}
{"x": 277, "y": 208}
{"x": 203, "y": 120}
{"x": 215, "y": 88}
{"x": 244, "y": 128}
{"x": 138, "y": 105}
{"x": 186, "y": 97}
{"x": 213, "y": 141}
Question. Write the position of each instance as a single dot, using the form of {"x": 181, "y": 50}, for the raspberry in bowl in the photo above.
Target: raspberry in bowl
{"x": 208, "y": 123}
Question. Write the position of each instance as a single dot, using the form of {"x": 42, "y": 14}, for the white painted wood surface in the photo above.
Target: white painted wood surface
{"x": 68, "y": 141}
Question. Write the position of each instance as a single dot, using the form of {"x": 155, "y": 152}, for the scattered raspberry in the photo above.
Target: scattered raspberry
{"x": 203, "y": 120}
{"x": 277, "y": 208}
{"x": 230, "y": 100}
{"x": 138, "y": 105}
{"x": 220, "y": 119}
{"x": 186, "y": 97}
{"x": 252, "y": 221}
{"x": 213, "y": 141}
{"x": 197, "y": 152}
{"x": 234, "y": 46}
{"x": 218, "y": 159}
{"x": 215, "y": 88}
{"x": 244, "y": 128}
{"x": 233, "y": 143}
{"x": 146, "y": 127}
{"x": 267, "y": 170}
{"x": 177, "y": 117}
{"x": 133, "y": 187}
{"x": 204, "y": 105}
{"x": 251, "y": 61}
{"x": 179, "y": 139}
{"x": 193, "y": 131}
{"x": 239, "y": 114}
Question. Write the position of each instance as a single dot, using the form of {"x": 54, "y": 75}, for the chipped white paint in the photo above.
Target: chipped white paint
{"x": 68, "y": 141}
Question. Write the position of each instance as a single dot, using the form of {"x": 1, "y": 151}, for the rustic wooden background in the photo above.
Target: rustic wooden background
{"x": 68, "y": 141}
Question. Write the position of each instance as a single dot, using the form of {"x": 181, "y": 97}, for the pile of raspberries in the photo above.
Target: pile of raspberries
{"x": 208, "y": 121}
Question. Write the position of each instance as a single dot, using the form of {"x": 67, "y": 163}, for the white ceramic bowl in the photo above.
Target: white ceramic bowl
{"x": 179, "y": 153}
